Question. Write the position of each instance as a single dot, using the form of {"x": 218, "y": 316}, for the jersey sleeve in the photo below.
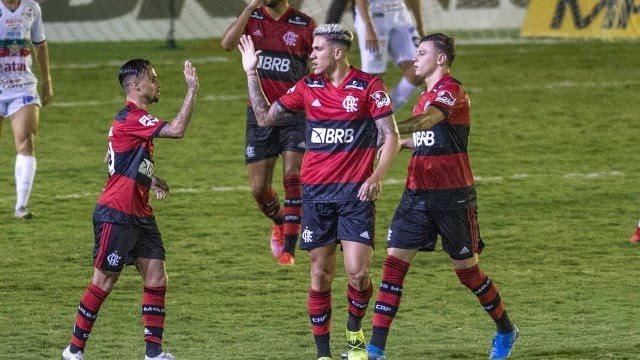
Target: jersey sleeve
{"x": 379, "y": 102}
{"x": 293, "y": 100}
{"x": 141, "y": 124}
{"x": 446, "y": 98}
{"x": 37, "y": 28}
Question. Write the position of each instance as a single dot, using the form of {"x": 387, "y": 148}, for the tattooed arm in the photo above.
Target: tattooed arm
{"x": 388, "y": 134}
{"x": 266, "y": 115}
{"x": 421, "y": 122}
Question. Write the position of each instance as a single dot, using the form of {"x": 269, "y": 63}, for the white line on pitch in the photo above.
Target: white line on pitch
{"x": 391, "y": 182}
{"x": 212, "y": 98}
{"x": 118, "y": 63}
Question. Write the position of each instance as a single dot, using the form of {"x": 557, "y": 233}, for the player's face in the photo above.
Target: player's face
{"x": 426, "y": 59}
{"x": 322, "y": 56}
{"x": 149, "y": 86}
{"x": 271, "y": 3}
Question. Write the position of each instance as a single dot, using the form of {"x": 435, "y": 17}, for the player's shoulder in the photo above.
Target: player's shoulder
{"x": 257, "y": 14}
{"x": 130, "y": 112}
{"x": 30, "y": 5}
{"x": 360, "y": 80}
{"x": 314, "y": 81}
{"x": 298, "y": 18}
{"x": 449, "y": 82}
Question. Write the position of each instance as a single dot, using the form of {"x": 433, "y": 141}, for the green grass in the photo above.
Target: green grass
{"x": 553, "y": 144}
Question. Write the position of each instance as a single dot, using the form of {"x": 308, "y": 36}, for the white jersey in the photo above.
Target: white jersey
{"x": 19, "y": 29}
{"x": 386, "y": 14}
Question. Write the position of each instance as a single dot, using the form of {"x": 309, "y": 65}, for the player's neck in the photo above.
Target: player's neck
{"x": 337, "y": 75}
{"x": 433, "y": 79}
{"x": 278, "y": 11}
{"x": 139, "y": 102}
{"x": 11, "y": 4}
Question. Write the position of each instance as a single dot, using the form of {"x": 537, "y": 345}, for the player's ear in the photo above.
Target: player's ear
{"x": 442, "y": 58}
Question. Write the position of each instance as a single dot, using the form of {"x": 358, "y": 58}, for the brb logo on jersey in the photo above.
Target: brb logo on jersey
{"x": 424, "y": 138}
{"x": 148, "y": 120}
{"x": 273, "y": 63}
{"x": 350, "y": 103}
{"x": 146, "y": 168}
{"x": 290, "y": 38}
{"x": 331, "y": 136}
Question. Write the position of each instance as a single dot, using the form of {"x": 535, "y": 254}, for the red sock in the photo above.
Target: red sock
{"x": 153, "y": 313}
{"x": 319, "y": 306}
{"x": 292, "y": 211}
{"x": 270, "y": 205}
{"x": 393, "y": 273}
{"x": 486, "y": 291}
{"x": 358, "y": 302}
{"x": 87, "y": 313}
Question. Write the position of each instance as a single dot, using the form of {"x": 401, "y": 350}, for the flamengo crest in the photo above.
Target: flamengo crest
{"x": 350, "y": 103}
{"x": 290, "y": 38}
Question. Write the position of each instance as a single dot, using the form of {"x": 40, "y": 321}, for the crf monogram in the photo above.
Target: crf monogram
{"x": 350, "y": 103}
{"x": 307, "y": 235}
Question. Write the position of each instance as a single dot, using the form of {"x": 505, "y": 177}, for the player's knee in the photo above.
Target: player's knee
{"x": 323, "y": 277}
{"x": 359, "y": 280}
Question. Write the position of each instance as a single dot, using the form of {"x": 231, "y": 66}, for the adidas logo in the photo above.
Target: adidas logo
{"x": 316, "y": 103}
{"x": 257, "y": 33}
{"x": 464, "y": 250}
{"x": 365, "y": 235}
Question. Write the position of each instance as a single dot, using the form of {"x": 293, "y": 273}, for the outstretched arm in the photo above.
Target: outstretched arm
{"x": 178, "y": 126}
{"x": 266, "y": 115}
{"x": 370, "y": 189}
{"x": 231, "y": 36}
{"x": 421, "y": 122}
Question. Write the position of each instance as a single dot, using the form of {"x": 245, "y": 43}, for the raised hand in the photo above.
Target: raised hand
{"x": 249, "y": 54}
{"x": 191, "y": 75}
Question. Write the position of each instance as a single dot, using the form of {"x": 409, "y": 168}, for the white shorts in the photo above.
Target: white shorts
{"x": 397, "y": 41}
{"x": 9, "y": 106}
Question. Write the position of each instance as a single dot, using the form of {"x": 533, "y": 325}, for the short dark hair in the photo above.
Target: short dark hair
{"x": 444, "y": 43}
{"x": 135, "y": 67}
{"x": 335, "y": 33}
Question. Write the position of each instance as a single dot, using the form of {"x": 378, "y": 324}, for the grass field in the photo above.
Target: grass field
{"x": 553, "y": 147}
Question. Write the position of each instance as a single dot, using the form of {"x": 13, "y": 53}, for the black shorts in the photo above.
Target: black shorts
{"x": 326, "y": 223}
{"x": 269, "y": 142}
{"x": 415, "y": 228}
{"x": 117, "y": 245}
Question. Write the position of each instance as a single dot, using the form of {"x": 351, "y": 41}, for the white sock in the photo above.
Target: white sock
{"x": 25, "y": 172}
{"x": 401, "y": 93}
{"x": 638, "y": 224}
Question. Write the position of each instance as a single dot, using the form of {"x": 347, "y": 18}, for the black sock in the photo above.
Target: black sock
{"x": 322, "y": 343}
{"x": 153, "y": 349}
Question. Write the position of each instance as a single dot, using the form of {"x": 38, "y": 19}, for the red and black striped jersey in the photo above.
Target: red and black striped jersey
{"x": 341, "y": 133}
{"x": 286, "y": 44}
{"x": 439, "y": 170}
{"x": 125, "y": 197}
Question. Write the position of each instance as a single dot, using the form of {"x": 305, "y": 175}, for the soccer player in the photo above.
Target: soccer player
{"x": 125, "y": 228}
{"x": 439, "y": 198}
{"x": 635, "y": 238}
{"x": 19, "y": 102}
{"x": 384, "y": 28}
{"x": 284, "y": 35}
{"x": 348, "y": 114}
